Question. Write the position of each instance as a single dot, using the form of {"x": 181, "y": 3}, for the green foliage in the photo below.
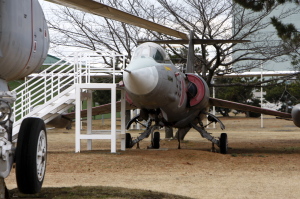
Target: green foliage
{"x": 253, "y": 102}
{"x": 254, "y": 4}
{"x": 239, "y": 94}
{"x": 14, "y": 84}
{"x": 287, "y": 32}
{"x": 104, "y": 96}
{"x": 235, "y": 93}
{"x": 291, "y": 36}
{"x": 287, "y": 93}
{"x": 295, "y": 62}
{"x": 260, "y": 5}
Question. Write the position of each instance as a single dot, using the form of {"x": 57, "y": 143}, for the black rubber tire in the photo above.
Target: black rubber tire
{"x": 223, "y": 143}
{"x": 156, "y": 140}
{"x": 32, "y": 133}
{"x": 128, "y": 143}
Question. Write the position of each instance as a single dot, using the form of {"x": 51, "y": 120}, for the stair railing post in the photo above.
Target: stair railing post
{"x": 114, "y": 65}
{"x": 51, "y": 84}
{"x": 45, "y": 89}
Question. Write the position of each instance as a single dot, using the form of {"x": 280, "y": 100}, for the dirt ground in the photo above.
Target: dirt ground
{"x": 262, "y": 162}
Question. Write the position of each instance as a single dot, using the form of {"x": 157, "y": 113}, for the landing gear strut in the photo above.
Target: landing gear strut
{"x": 222, "y": 142}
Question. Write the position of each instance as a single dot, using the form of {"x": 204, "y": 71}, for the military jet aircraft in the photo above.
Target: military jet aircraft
{"x": 165, "y": 95}
{"x": 168, "y": 97}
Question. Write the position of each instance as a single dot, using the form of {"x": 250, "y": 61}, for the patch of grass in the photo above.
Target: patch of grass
{"x": 246, "y": 155}
{"x": 95, "y": 192}
{"x": 234, "y": 155}
{"x": 262, "y": 156}
{"x": 291, "y": 149}
{"x": 241, "y": 155}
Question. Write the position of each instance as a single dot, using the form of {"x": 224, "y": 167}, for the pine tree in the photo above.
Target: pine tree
{"x": 287, "y": 32}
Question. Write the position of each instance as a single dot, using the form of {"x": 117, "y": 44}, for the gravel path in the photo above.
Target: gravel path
{"x": 262, "y": 163}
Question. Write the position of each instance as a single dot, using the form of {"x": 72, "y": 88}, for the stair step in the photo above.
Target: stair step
{"x": 62, "y": 108}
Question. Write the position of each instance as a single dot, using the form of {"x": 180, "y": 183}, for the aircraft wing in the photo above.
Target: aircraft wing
{"x": 100, "y": 9}
{"x": 103, "y": 109}
{"x": 245, "y": 107}
{"x": 198, "y": 41}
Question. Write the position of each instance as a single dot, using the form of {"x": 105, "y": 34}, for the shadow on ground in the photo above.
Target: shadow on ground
{"x": 95, "y": 192}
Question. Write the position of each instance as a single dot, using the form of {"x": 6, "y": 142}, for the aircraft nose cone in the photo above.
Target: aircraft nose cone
{"x": 141, "y": 81}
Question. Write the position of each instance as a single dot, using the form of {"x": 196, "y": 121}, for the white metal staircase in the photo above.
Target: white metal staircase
{"x": 51, "y": 92}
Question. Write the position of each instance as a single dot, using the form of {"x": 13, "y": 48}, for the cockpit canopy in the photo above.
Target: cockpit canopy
{"x": 152, "y": 50}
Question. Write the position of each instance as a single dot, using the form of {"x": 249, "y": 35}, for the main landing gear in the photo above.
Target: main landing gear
{"x": 31, "y": 155}
{"x": 30, "y": 152}
{"x": 222, "y": 142}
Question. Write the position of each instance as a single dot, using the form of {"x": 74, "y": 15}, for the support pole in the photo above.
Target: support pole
{"x": 261, "y": 99}
{"x": 123, "y": 119}
{"x": 77, "y": 119}
{"x": 113, "y": 120}
{"x": 214, "y": 107}
{"x": 89, "y": 119}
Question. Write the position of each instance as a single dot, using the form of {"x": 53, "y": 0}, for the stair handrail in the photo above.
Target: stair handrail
{"x": 73, "y": 69}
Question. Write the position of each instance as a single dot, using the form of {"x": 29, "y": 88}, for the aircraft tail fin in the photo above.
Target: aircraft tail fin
{"x": 191, "y": 49}
{"x": 191, "y": 54}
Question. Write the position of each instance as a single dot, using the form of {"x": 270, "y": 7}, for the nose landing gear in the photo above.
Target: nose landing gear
{"x": 155, "y": 138}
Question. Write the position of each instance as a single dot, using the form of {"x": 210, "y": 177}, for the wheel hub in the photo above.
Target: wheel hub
{"x": 41, "y": 155}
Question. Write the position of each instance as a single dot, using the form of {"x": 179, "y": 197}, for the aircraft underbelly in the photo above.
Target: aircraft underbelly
{"x": 24, "y": 39}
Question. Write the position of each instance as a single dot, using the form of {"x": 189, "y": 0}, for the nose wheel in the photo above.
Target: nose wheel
{"x": 128, "y": 143}
{"x": 155, "y": 140}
